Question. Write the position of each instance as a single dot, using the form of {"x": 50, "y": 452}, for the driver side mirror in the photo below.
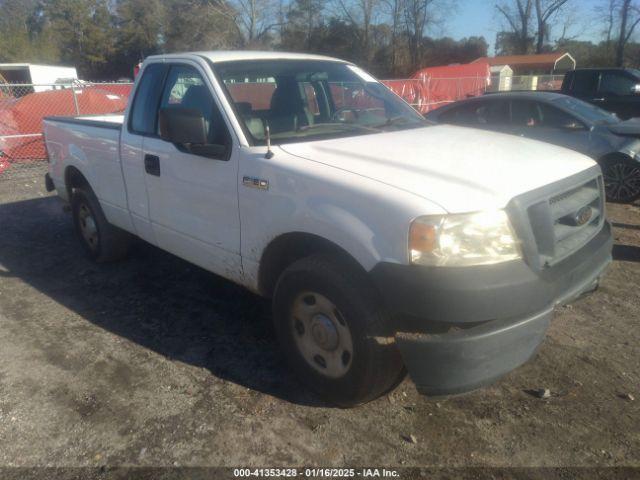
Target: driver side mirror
{"x": 182, "y": 126}
{"x": 187, "y": 129}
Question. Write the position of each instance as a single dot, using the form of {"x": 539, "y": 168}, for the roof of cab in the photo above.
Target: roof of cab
{"x": 218, "y": 56}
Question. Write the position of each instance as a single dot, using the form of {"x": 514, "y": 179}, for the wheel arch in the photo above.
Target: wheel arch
{"x": 288, "y": 248}
{"x": 74, "y": 178}
{"x": 614, "y": 156}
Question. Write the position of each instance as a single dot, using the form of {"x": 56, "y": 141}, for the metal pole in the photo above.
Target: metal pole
{"x": 75, "y": 100}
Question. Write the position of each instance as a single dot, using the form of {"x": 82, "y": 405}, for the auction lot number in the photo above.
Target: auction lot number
{"x": 315, "y": 472}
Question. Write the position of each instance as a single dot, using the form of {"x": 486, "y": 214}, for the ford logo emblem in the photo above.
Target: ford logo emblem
{"x": 583, "y": 216}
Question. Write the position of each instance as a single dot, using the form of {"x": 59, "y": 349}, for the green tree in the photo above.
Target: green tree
{"x": 629, "y": 15}
{"x": 546, "y": 10}
{"x": 25, "y": 33}
{"x": 303, "y": 19}
{"x": 140, "y": 31}
{"x": 199, "y": 25}
{"x": 511, "y": 43}
{"x": 255, "y": 20}
{"x": 82, "y": 32}
{"x": 517, "y": 39}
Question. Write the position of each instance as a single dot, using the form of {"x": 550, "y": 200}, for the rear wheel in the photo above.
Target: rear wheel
{"x": 102, "y": 241}
{"x": 334, "y": 332}
{"x": 621, "y": 179}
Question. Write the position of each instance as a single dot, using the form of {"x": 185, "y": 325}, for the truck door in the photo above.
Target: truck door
{"x": 193, "y": 197}
{"x": 140, "y": 122}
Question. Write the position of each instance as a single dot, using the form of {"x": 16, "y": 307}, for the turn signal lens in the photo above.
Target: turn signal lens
{"x": 422, "y": 237}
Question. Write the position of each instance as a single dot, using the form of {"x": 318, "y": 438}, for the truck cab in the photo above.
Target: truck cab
{"x": 616, "y": 90}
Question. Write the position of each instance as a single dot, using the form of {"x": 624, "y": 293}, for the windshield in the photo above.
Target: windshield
{"x": 588, "y": 112}
{"x": 311, "y": 100}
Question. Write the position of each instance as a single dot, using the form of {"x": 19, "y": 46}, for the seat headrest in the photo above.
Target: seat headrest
{"x": 286, "y": 98}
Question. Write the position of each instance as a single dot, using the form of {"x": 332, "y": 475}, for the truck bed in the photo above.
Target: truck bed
{"x": 90, "y": 144}
{"x": 104, "y": 121}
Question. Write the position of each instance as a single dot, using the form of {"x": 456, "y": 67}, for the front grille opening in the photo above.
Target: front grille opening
{"x": 567, "y": 221}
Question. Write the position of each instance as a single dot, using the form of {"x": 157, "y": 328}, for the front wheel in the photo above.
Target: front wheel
{"x": 334, "y": 332}
{"x": 621, "y": 180}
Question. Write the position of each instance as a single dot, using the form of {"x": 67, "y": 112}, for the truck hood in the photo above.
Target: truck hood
{"x": 460, "y": 169}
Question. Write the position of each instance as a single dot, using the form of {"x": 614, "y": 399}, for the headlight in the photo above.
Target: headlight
{"x": 481, "y": 238}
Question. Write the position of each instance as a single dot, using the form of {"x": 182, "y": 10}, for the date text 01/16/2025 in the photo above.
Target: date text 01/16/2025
{"x": 316, "y": 473}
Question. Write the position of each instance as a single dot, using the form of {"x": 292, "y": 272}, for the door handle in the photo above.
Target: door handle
{"x": 152, "y": 165}
{"x": 598, "y": 99}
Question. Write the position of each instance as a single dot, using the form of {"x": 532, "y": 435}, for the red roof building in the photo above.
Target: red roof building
{"x": 544, "y": 64}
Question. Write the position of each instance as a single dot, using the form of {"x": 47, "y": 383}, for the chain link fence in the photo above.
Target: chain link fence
{"x": 426, "y": 94}
{"x": 24, "y": 106}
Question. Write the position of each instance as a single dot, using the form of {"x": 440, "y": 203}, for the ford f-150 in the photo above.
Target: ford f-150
{"x": 386, "y": 243}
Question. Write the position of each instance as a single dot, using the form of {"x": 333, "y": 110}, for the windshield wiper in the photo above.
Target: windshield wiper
{"x": 306, "y": 128}
{"x": 391, "y": 121}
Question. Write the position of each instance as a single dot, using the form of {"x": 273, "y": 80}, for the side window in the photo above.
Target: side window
{"x": 525, "y": 114}
{"x": 145, "y": 103}
{"x": 552, "y": 117}
{"x": 585, "y": 82}
{"x": 494, "y": 113}
{"x": 185, "y": 88}
{"x": 617, "y": 84}
{"x": 463, "y": 115}
{"x": 478, "y": 113}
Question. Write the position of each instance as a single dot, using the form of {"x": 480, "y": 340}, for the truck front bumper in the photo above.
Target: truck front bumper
{"x": 461, "y": 328}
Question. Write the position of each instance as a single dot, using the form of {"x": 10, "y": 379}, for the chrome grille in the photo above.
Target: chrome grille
{"x": 565, "y": 221}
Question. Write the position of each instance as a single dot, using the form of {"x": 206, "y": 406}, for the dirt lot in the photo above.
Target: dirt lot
{"x": 155, "y": 362}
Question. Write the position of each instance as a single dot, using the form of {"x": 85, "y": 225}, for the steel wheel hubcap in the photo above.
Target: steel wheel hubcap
{"x": 88, "y": 227}
{"x": 321, "y": 334}
{"x": 324, "y": 332}
{"x": 622, "y": 181}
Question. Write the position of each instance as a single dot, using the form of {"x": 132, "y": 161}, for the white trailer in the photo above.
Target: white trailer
{"x": 42, "y": 77}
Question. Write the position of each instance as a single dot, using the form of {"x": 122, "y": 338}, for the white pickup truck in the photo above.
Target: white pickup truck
{"x": 386, "y": 243}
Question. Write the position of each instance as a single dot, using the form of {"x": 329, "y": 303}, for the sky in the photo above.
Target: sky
{"x": 480, "y": 18}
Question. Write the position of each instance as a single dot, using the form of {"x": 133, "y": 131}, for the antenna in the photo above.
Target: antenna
{"x": 267, "y": 136}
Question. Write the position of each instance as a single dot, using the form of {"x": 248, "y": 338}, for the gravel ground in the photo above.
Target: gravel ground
{"x": 154, "y": 362}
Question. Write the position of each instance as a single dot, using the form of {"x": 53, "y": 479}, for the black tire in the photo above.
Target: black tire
{"x": 621, "y": 179}
{"x": 111, "y": 243}
{"x": 374, "y": 365}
